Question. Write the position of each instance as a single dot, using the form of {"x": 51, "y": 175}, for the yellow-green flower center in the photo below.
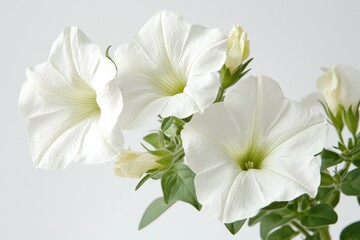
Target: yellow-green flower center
{"x": 251, "y": 158}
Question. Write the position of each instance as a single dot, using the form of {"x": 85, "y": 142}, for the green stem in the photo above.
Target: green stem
{"x": 220, "y": 95}
{"x": 340, "y": 136}
{"x": 300, "y": 228}
{"x": 324, "y": 233}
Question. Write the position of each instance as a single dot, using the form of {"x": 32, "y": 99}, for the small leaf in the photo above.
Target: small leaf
{"x": 235, "y": 226}
{"x": 329, "y": 158}
{"x": 143, "y": 180}
{"x": 328, "y": 195}
{"x": 272, "y": 221}
{"x": 326, "y": 179}
{"x": 276, "y": 205}
{"x": 356, "y": 158}
{"x": 257, "y": 218}
{"x": 153, "y": 140}
{"x": 153, "y": 211}
{"x": 319, "y": 215}
{"x": 178, "y": 184}
{"x": 351, "y": 184}
{"x": 166, "y": 123}
{"x": 284, "y": 233}
{"x": 351, "y": 232}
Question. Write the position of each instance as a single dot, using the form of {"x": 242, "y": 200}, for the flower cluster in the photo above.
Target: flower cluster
{"x": 230, "y": 145}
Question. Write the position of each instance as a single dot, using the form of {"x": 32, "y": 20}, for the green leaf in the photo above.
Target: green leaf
{"x": 272, "y": 221}
{"x": 257, "y": 218}
{"x": 235, "y": 226}
{"x": 316, "y": 236}
{"x": 153, "y": 139}
{"x": 153, "y": 211}
{"x": 351, "y": 232}
{"x": 356, "y": 157}
{"x": 329, "y": 158}
{"x": 319, "y": 215}
{"x": 326, "y": 179}
{"x": 143, "y": 180}
{"x": 178, "y": 184}
{"x": 284, "y": 233}
{"x": 166, "y": 123}
{"x": 276, "y": 205}
{"x": 351, "y": 184}
{"x": 328, "y": 195}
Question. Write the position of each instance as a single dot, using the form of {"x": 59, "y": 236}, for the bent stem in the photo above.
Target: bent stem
{"x": 300, "y": 228}
{"x": 324, "y": 233}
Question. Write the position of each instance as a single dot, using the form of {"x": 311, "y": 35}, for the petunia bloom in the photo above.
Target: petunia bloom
{"x": 71, "y": 105}
{"x": 254, "y": 148}
{"x": 170, "y": 69}
{"x": 340, "y": 86}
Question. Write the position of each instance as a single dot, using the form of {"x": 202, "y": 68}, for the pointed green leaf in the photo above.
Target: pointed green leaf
{"x": 153, "y": 140}
{"x": 329, "y": 158}
{"x": 178, "y": 184}
{"x": 319, "y": 215}
{"x": 235, "y": 226}
{"x": 153, "y": 211}
{"x": 166, "y": 123}
{"x": 275, "y": 205}
{"x": 351, "y": 232}
{"x": 328, "y": 195}
{"x": 257, "y": 218}
{"x": 284, "y": 233}
{"x": 272, "y": 221}
{"x": 351, "y": 184}
{"x": 326, "y": 179}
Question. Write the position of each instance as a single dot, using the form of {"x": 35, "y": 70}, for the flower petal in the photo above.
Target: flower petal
{"x": 169, "y": 69}
{"x": 70, "y": 109}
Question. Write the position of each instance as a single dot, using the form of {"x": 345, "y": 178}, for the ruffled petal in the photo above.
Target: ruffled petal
{"x": 172, "y": 63}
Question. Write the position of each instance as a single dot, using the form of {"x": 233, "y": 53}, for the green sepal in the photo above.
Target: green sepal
{"x": 235, "y": 226}
{"x": 351, "y": 183}
{"x": 351, "y": 118}
{"x": 319, "y": 215}
{"x": 154, "y": 211}
{"x": 178, "y": 184}
{"x": 154, "y": 140}
{"x": 228, "y": 79}
{"x": 272, "y": 221}
{"x": 329, "y": 158}
{"x": 283, "y": 233}
{"x": 351, "y": 232}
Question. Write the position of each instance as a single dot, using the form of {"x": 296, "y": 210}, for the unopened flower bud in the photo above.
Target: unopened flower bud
{"x": 133, "y": 164}
{"x": 238, "y": 48}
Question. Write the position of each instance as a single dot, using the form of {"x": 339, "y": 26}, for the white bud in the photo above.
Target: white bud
{"x": 340, "y": 86}
{"x": 238, "y": 48}
{"x": 133, "y": 164}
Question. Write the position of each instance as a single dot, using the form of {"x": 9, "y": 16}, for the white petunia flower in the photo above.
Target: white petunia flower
{"x": 171, "y": 68}
{"x": 255, "y": 148}
{"x": 71, "y": 106}
{"x": 340, "y": 86}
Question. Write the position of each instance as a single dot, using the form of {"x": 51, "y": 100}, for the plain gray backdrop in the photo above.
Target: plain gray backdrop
{"x": 290, "y": 41}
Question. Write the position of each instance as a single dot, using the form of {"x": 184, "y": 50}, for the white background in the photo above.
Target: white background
{"x": 290, "y": 41}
